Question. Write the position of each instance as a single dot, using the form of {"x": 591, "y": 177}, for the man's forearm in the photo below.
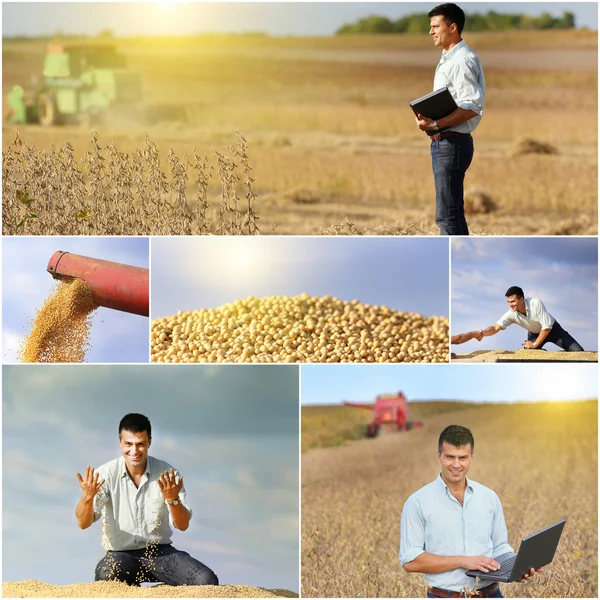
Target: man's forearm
{"x": 489, "y": 331}
{"x": 544, "y": 333}
{"x": 456, "y": 117}
{"x": 461, "y": 338}
{"x": 432, "y": 563}
{"x": 85, "y": 513}
{"x": 180, "y": 516}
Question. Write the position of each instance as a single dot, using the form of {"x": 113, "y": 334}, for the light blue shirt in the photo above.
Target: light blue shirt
{"x": 133, "y": 517}
{"x": 461, "y": 72}
{"x": 434, "y": 521}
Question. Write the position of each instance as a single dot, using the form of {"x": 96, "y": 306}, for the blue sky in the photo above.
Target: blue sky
{"x": 115, "y": 336}
{"x": 407, "y": 274}
{"x": 330, "y": 384}
{"x": 232, "y": 431}
{"x": 274, "y": 18}
{"x": 561, "y": 272}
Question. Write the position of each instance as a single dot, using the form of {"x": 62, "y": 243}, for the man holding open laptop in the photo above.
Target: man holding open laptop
{"x": 461, "y": 72}
{"x": 454, "y": 525}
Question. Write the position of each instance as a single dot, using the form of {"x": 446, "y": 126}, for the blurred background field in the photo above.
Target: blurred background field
{"x": 331, "y": 139}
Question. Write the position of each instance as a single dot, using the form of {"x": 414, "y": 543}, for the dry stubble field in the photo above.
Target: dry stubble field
{"x": 540, "y": 458}
{"x": 332, "y": 141}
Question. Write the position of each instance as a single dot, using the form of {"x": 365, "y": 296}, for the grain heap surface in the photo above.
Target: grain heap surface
{"x": 526, "y": 356}
{"x": 299, "y": 329}
{"x": 115, "y": 589}
{"x": 60, "y": 330}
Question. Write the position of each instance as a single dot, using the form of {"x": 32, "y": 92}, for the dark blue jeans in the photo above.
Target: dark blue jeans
{"x": 161, "y": 563}
{"x": 558, "y": 336}
{"x": 451, "y": 157}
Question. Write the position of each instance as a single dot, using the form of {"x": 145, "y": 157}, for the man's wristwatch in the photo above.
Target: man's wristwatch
{"x": 174, "y": 502}
{"x": 435, "y": 126}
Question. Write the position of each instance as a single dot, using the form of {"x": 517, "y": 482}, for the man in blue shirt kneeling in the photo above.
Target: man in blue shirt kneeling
{"x": 454, "y": 524}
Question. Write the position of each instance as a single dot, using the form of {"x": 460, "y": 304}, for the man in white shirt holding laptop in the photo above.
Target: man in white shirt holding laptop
{"x": 454, "y": 524}
{"x": 138, "y": 497}
{"x": 531, "y": 314}
{"x": 459, "y": 70}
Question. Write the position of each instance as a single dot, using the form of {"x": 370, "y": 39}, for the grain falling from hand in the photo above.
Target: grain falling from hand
{"x": 60, "y": 330}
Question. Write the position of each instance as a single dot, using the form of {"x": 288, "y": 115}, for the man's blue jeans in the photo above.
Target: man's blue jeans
{"x": 451, "y": 157}
{"x": 563, "y": 339}
{"x": 161, "y": 563}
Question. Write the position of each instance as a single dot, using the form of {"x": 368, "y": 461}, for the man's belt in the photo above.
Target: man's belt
{"x": 485, "y": 592}
{"x": 444, "y": 134}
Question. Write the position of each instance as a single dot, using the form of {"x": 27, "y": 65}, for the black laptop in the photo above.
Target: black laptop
{"x": 437, "y": 105}
{"x": 535, "y": 551}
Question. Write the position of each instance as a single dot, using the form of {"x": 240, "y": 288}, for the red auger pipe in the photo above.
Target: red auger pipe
{"x": 117, "y": 286}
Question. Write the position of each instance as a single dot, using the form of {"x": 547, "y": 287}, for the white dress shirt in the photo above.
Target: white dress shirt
{"x": 461, "y": 72}
{"x": 133, "y": 517}
{"x": 535, "y": 319}
{"x": 434, "y": 521}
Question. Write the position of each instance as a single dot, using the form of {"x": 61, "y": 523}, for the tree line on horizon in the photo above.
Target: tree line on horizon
{"x": 492, "y": 21}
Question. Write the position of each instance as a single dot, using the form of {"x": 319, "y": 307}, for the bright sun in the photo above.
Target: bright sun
{"x": 165, "y": 6}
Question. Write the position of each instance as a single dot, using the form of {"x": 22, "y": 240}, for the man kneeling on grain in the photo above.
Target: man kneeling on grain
{"x": 541, "y": 326}
{"x": 451, "y": 517}
{"x": 137, "y": 496}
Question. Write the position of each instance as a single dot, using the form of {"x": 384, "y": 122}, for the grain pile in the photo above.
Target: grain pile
{"x": 115, "y": 589}
{"x": 299, "y": 329}
{"x": 524, "y": 355}
{"x": 60, "y": 330}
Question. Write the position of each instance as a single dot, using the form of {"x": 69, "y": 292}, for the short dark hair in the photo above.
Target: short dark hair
{"x": 135, "y": 423}
{"x": 514, "y": 290}
{"x": 451, "y": 13}
{"x": 457, "y": 435}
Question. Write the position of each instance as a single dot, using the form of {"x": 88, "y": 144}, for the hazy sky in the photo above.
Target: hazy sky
{"x": 407, "y": 274}
{"x": 274, "y": 18}
{"x": 330, "y": 384}
{"x": 561, "y": 272}
{"x": 232, "y": 431}
{"x": 115, "y": 336}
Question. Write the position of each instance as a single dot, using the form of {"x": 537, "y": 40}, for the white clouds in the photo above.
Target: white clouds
{"x": 245, "y": 477}
{"x": 10, "y": 345}
{"x": 213, "y": 547}
{"x": 18, "y": 466}
{"x": 282, "y": 528}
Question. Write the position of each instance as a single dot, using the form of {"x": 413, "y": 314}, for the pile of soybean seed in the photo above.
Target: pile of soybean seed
{"x": 299, "y": 329}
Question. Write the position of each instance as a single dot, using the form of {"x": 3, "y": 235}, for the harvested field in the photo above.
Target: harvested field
{"x": 493, "y": 356}
{"x": 299, "y": 329}
{"x": 113, "y": 589}
{"x": 330, "y": 117}
{"x": 352, "y": 497}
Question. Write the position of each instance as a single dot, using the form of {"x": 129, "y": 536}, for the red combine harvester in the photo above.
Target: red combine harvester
{"x": 388, "y": 409}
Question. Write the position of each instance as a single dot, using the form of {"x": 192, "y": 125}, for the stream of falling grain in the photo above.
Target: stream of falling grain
{"x": 60, "y": 330}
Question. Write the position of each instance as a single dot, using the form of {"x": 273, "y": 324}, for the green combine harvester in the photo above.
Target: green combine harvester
{"x": 81, "y": 84}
